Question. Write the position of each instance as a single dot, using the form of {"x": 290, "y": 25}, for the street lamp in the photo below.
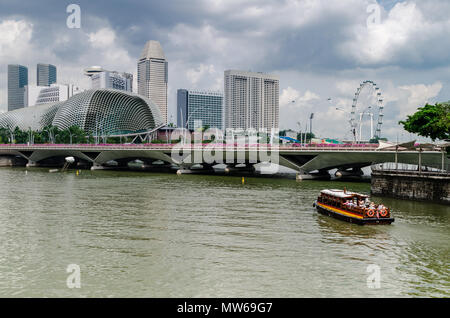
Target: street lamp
{"x": 30, "y": 136}
{"x": 187, "y": 119}
{"x": 11, "y": 134}
{"x": 310, "y": 127}
{"x": 302, "y": 135}
{"x": 50, "y": 135}
{"x": 352, "y": 129}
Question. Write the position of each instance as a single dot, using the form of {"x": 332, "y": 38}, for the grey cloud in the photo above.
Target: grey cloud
{"x": 309, "y": 49}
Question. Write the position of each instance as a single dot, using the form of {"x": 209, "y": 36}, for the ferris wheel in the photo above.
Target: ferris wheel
{"x": 367, "y": 100}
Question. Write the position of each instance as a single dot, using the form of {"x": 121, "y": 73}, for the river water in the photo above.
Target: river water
{"x": 136, "y": 234}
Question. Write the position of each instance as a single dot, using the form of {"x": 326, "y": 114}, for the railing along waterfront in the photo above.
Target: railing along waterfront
{"x": 409, "y": 169}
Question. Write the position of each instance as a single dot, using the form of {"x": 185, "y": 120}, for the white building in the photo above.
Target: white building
{"x": 37, "y": 95}
{"x": 152, "y": 75}
{"x": 251, "y": 100}
{"x": 115, "y": 80}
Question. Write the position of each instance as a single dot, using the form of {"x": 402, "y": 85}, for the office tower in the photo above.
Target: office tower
{"x": 195, "y": 105}
{"x": 17, "y": 79}
{"x": 152, "y": 75}
{"x": 115, "y": 80}
{"x": 37, "y": 95}
{"x": 45, "y": 74}
{"x": 251, "y": 100}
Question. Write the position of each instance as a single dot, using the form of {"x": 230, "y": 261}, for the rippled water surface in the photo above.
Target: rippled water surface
{"x": 162, "y": 235}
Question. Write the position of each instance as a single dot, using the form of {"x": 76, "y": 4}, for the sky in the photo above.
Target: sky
{"x": 320, "y": 49}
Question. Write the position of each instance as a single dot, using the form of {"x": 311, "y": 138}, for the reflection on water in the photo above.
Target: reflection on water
{"x": 160, "y": 235}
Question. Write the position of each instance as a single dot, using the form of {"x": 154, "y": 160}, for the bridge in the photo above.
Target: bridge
{"x": 305, "y": 159}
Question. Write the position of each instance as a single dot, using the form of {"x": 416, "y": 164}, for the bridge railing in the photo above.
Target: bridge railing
{"x": 399, "y": 168}
{"x": 292, "y": 147}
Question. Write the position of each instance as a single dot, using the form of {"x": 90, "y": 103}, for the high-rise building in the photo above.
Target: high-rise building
{"x": 17, "y": 79}
{"x": 195, "y": 105}
{"x": 115, "y": 80}
{"x": 37, "y": 95}
{"x": 251, "y": 100}
{"x": 152, "y": 75}
{"x": 45, "y": 74}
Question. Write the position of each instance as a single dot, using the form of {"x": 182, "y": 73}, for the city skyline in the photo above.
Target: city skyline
{"x": 319, "y": 52}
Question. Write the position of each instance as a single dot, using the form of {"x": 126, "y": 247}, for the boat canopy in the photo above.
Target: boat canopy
{"x": 343, "y": 195}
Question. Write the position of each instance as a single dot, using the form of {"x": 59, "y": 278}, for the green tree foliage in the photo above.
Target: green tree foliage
{"x": 4, "y": 136}
{"x": 431, "y": 121}
{"x": 308, "y": 136}
{"x": 375, "y": 140}
{"x": 49, "y": 134}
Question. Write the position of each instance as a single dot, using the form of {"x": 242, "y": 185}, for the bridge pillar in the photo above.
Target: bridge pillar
{"x": 234, "y": 169}
{"x": 32, "y": 164}
{"x": 355, "y": 172}
{"x": 97, "y": 166}
{"x": 204, "y": 169}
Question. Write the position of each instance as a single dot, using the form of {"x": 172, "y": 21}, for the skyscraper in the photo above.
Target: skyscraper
{"x": 251, "y": 100}
{"x": 199, "y": 105}
{"x": 17, "y": 79}
{"x": 152, "y": 75}
{"x": 45, "y": 74}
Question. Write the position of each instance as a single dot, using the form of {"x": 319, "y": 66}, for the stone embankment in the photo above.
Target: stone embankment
{"x": 412, "y": 185}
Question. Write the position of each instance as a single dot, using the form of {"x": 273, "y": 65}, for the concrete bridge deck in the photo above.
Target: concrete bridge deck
{"x": 302, "y": 159}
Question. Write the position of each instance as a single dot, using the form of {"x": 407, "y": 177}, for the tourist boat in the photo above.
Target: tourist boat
{"x": 352, "y": 207}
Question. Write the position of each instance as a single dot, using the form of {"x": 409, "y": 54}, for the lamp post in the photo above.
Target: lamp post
{"x": 310, "y": 127}
{"x": 50, "y": 135}
{"x": 352, "y": 129}
{"x": 30, "y": 136}
{"x": 188, "y": 118}
{"x": 70, "y": 135}
{"x": 11, "y": 134}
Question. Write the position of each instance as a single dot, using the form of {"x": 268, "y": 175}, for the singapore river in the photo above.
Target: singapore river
{"x": 136, "y": 234}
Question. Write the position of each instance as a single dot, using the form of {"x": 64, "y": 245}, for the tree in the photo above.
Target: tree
{"x": 4, "y": 135}
{"x": 307, "y": 137}
{"x": 431, "y": 121}
{"x": 376, "y": 139}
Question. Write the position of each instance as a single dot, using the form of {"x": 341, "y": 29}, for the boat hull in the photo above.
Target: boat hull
{"x": 323, "y": 209}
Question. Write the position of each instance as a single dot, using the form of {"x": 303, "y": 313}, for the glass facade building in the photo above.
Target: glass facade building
{"x": 45, "y": 74}
{"x": 194, "y": 105}
{"x": 17, "y": 80}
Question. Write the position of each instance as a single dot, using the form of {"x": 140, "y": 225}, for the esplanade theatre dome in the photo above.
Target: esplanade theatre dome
{"x": 111, "y": 112}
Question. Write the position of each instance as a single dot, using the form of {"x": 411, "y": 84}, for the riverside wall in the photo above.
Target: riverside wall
{"x": 432, "y": 187}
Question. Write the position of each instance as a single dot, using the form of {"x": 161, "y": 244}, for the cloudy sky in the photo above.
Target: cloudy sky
{"x": 320, "y": 49}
